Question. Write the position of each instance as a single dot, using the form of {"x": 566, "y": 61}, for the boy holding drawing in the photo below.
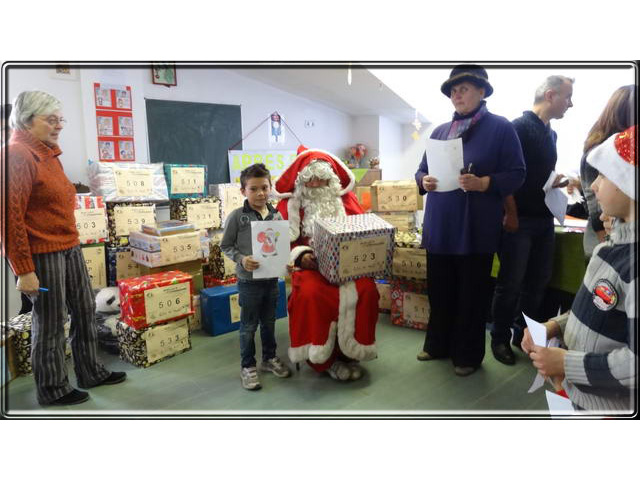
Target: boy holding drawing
{"x": 597, "y": 369}
{"x": 258, "y": 298}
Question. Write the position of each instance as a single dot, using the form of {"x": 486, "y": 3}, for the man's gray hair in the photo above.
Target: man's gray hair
{"x": 30, "y": 103}
{"x": 551, "y": 83}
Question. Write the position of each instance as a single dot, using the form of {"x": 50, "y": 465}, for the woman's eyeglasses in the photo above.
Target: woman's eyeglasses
{"x": 53, "y": 120}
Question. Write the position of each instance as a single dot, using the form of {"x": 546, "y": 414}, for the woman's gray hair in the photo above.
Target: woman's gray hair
{"x": 551, "y": 83}
{"x": 30, "y": 103}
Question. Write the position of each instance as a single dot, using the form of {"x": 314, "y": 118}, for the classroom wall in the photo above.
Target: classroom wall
{"x": 392, "y": 161}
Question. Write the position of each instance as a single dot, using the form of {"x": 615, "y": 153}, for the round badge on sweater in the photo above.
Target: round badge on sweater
{"x": 605, "y": 296}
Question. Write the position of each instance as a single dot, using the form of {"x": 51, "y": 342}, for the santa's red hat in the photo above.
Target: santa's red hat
{"x": 616, "y": 159}
{"x": 287, "y": 182}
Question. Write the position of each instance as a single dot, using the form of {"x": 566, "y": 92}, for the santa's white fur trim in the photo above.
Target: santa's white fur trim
{"x": 297, "y": 252}
{"x": 316, "y": 354}
{"x": 293, "y": 216}
{"x": 350, "y": 174}
{"x": 347, "y": 326}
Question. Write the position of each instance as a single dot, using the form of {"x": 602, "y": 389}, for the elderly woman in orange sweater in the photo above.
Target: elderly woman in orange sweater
{"x": 41, "y": 244}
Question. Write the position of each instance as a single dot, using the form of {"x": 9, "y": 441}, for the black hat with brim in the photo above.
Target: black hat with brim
{"x": 467, "y": 73}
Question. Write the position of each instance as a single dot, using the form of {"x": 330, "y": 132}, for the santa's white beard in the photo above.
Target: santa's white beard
{"x": 319, "y": 203}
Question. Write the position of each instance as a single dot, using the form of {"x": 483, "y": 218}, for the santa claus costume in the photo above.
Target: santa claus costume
{"x": 330, "y": 326}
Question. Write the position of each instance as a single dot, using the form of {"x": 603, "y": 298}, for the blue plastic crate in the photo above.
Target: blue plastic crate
{"x": 215, "y": 305}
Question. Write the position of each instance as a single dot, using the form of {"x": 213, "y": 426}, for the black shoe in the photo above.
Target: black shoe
{"x": 517, "y": 339}
{"x": 74, "y": 397}
{"x": 503, "y": 353}
{"x": 114, "y": 378}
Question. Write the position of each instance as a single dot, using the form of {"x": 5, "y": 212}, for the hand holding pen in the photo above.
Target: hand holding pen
{"x": 470, "y": 182}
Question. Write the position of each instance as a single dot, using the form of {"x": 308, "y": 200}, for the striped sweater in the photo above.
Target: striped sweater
{"x": 600, "y": 329}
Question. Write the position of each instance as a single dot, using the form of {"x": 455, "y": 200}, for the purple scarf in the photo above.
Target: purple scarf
{"x": 461, "y": 125}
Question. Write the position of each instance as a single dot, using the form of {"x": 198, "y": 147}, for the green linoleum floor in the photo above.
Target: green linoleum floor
{"x": 206, "y": 380}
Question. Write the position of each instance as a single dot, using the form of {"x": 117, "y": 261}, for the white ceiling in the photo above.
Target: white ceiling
{"x": 366, "y": 95}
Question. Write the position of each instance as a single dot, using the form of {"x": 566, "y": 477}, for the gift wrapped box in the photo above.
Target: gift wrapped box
{"x": 168, "y": 250}
{"x": 408, "y": 239}
{"x": 20, "y": 326}
{"x": 368, "y": 178}
{"x": 95, "y": 258}
{"x": 91, "y": 219}
{"x": 409, "y": 304}
{"x": 186, "y": 180}
{"x": 230, "y": 198}
{"x": 203, "y": 213}
{"x": 354, "y": 246}
{"x": 410, "y": 262}
{"x": 403, "y": 221}
{"x": 195, "y": 320}
{"x": 8, "y": 357}
{"x": 167, "y": 227}
{"x": 156, "y": 298}
{"x": 193, "y": 268}
{"x": 395, "y": 196}
{"x": 128, "y": 181}
{"x": 123, "y": 218}
{"x": 384, "y": 289}
{"x": 218, "y": 266}
{"x": 221, "y": 311}
{"x": 147, "y": 346}
{"x": 364, "y": 197}
{"x": 120, "y": 265}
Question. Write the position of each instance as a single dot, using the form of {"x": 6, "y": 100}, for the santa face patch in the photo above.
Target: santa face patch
{"x": 605, "y": 296}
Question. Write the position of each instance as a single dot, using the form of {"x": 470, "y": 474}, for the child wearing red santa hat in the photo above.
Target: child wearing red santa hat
{"x": 597, "y": 369}
{"x": 331, "y": 327}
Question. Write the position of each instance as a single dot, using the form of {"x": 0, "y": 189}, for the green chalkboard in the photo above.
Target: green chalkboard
{"x": 194, "y": 133}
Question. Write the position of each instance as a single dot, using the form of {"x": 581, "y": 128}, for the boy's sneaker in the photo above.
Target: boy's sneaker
{"x": 277, "y": 367}
{"x": 250, "y": 379}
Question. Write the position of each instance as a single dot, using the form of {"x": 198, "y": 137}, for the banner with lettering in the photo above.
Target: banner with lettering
{"x": 274, "y": 160}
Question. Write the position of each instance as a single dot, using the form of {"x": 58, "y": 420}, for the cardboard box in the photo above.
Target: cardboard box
{"x": 370, "y": 176}
{"x": 403, "y": 221}
{"x": 170, "y": 249}
{"x": 95, "y": 258}
{"x": 203, "y": 213}
{"x": 230, "y": 198}
{"x": 221, "y": 310}
{"x": 395, "y": 196}
{"x": 147, "y": 346}
{"x": 409, "y": 304}
{"x": 384, "y": 289}
{"x": 91, "y": 219}
{"x": 156, "y": 298}
{"x": 186, "y": 180}
{"x": 410, "y": 263}
{"x": 167, "y": 227}
{"x": 120, "y": 265}
{"x": 354, "y": 246}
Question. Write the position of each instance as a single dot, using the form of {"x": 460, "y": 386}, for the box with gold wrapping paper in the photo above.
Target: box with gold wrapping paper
{"x": 409, "y": 303}
{"x": 150, "y": 345}
{"x": 120, "y": 265}
{"x": 395, "y": 196}
{"x": 156, "y": 298}
{"x": 124, "y": 217}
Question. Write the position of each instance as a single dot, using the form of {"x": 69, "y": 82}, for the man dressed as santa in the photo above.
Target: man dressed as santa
{"x": 331, "y": 327}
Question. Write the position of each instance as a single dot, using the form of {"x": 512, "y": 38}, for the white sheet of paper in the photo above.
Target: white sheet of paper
{"x": 270, "y": 247}
{"x": 538, "y": 331}
{"x": 555, "y": 199}
{"x": 538, "y": 381}
{"x": 559, "y": 405}
{"x": 445, "y": 161}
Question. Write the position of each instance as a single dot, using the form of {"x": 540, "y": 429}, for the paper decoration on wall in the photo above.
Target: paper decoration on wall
{"x": 276, "y": 132}
{"x": 114, "y": 121}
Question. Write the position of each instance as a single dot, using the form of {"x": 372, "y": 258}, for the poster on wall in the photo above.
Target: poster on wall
{"x": 114, "y": 122}
{"x": 276, "y": 132}
{"x": 274, "y": 160}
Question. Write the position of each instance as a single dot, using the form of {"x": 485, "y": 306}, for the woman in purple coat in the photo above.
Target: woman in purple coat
{"x": 461, "y": 228}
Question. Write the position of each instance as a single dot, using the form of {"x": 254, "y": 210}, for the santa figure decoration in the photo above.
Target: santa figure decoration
{"x": 331, "y": 327}
{"x": 268, "y": 240}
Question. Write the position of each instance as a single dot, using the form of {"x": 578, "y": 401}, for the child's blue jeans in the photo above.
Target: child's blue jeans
{"x": 258, "y": 300}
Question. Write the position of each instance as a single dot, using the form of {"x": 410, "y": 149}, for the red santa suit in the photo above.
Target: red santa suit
{"x": 326, "y": 322}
